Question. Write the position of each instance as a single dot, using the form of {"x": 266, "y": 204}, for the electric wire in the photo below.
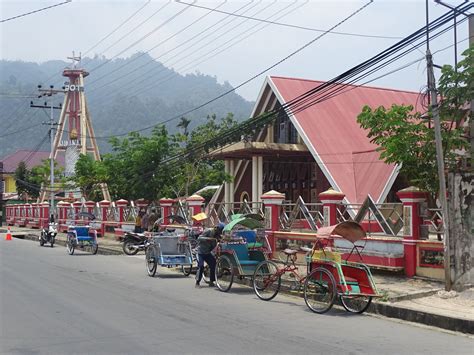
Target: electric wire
{"x": 241, "y": 127}
{"x": 140, "y": 39}
{"x": 35, "y": 11}
{"x": 146, "y": 75}
{"x": 287, "y": 24}
{"x": 118, "y": 27}
{"x": 138, "y": 56}
{"x": 136, "y": 27}
{"x": 210, "y": 54}
{"x": 254, "y": 76}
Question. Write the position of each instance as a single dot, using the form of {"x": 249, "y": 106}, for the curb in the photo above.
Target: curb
{"x": 435, "y": 320}
{"x": 101, "y": 251}
{"x": 414, "y": 296}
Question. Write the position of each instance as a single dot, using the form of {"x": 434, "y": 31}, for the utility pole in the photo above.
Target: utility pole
{"x": 440, "y": 163}
{"x": 49, "y": 92}
{"x": 433, "y": 95}
{"x": 471, "y": 121}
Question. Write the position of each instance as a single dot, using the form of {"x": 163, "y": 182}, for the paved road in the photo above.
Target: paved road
{"x": 53, "y": 303}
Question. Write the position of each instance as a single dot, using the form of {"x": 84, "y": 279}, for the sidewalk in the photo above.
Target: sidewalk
{"x": 411, "y": 299}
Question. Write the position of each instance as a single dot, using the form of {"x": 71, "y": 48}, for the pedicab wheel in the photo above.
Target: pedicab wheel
{"x": 206, "y": 275}
{"x": 126, "y": 247}
{"x": 186, "y": 269}
{"x": 266, "y": 280}
{"x": 224, "y": 273}
{"x": 151, "y": 263}
{"x": 94, "y": 248}
{"x": 320, "y": 290}
{"x": 70, "y": 247}
{"x": 356, "y": 304}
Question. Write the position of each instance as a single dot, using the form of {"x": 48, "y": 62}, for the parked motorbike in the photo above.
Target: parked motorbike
{"x": 49, "y": 235}
{"x": 133, "y": 242}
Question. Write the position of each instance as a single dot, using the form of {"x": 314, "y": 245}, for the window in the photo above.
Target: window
{"x": 284, "y": 131}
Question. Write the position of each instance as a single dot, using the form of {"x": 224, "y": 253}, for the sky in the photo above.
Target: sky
{"x": 235, "y": 49}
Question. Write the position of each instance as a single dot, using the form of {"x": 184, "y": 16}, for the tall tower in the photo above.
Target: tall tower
{"x": 75, "y": 134}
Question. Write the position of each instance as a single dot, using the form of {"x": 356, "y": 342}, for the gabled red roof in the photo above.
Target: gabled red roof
{"x": 337, "y": 142}
{"x": 31, "y": 158}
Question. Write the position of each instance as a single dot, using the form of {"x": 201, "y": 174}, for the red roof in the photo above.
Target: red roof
{"x": 31, "y": 158}
{"x": 337, "y": 142}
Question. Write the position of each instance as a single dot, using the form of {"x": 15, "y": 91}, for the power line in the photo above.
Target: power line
{"x": 258, "y": 74}
{"x": 118, "y": 27}
{"x": 20, "y": 130}
{"x": 287, "y": 24}
{"x": 35, "y": 11}
{"x": 141, "y": 38}
{"x": 136, "y": 27}
{"x": 264, "y": 119}
{"x": 144, "y": 53}
{"x": 185, "y": 42}
{"x": 210, "y": 54}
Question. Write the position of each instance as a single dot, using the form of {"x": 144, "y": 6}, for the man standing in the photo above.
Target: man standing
{"x": 207, "y": 241}
{"x": 145, "y": 221}
{"x": 152, "y": 219}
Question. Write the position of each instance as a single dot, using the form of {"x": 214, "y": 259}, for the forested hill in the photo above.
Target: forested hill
{"x": 123, "y": 95}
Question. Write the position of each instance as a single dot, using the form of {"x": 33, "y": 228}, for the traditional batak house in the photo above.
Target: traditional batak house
{"x": 305, "y": 153}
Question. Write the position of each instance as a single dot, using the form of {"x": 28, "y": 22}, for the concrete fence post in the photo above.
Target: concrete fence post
{"x": 412, "y": 198}
{"x": 331, "y": 200}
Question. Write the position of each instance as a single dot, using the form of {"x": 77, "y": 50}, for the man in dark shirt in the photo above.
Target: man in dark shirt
{"x": 206, "y": 243}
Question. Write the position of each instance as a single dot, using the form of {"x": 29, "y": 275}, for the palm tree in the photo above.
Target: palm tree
{"x": 184, "y": 123}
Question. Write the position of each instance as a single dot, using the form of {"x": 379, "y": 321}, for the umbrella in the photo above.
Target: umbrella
{"x": 349, "y": 230}
{"x": 250, "y": 223}
{"x": 199, "y": 217}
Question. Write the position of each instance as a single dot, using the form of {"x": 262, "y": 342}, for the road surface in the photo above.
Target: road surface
{"x": 53, "y": 303}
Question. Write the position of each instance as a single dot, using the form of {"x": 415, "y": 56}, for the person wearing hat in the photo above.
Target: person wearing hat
{"x": 206, "y": 243}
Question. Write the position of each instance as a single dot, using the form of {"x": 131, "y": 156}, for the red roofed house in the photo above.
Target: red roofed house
{"x": 305, "y": 153}
{"x": 10, "y": 163}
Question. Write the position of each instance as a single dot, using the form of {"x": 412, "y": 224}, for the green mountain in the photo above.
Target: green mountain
{"x": 122, "y": 94}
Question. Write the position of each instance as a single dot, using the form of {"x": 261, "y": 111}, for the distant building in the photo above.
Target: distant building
{"x": 11, "y": 162}
{"x": 307, "y": 152}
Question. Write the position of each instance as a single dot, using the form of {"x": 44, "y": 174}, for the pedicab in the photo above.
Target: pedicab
{"x": 328, "y": 276}
{"x": 167, "y": 249}
{"x": 83, "y": 237}
{"x": 240, "y": 250}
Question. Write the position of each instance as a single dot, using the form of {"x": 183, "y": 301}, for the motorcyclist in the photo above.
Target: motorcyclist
{"x": 206, "y": 242}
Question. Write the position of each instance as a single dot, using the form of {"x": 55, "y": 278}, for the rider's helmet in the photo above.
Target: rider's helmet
{"x": 220, "y": 226}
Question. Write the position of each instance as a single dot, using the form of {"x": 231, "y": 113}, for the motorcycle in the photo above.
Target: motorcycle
{"x": 133, "y": 242}
{"x": 49, "y": 235}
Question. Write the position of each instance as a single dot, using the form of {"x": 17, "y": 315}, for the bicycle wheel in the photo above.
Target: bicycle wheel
{"x": 70, "y": 246}
{"x": 266, "y": 280}
{"x": 151, "y": 263}
{"x": 206, "y": 274}
{"x": 224, "y": 273}
{"x": 320, "y": 290}
{"x": 356, "y": 304}
{"x": 186, "y": 269}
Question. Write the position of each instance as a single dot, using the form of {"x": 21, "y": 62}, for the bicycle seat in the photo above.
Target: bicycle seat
{"x": 290, "y": 251}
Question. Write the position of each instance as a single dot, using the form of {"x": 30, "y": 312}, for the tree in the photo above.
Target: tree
{"x": 89, "y": 176}
{"x": 22, "y": 177}
{"x": 184, "y": 123}
{"x": 405, "y": 137}
{"x": 197, "y": 170}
